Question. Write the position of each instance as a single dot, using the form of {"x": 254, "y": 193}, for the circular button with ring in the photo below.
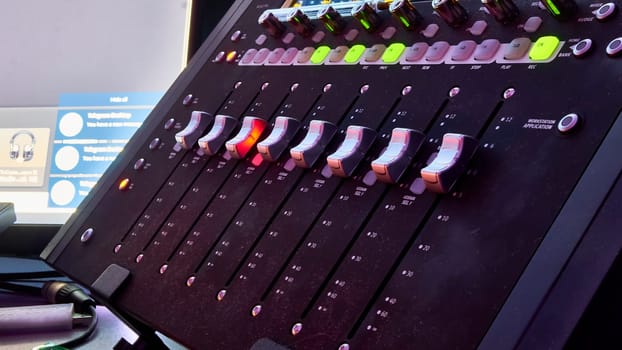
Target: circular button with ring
{"x": 581, "y": 48}
{"x": 614, "y": 47}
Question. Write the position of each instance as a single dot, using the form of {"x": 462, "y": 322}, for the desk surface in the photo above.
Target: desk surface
{"x": 109, "y": 329}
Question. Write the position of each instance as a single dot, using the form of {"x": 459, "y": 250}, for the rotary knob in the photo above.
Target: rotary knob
{"x": 504, "y": 11}
{"x": 272, "y": 24}
{"x": 450, "y": 11}
{"x": 367, "y": 17}
{"x": 333, "y": 21}
{"x": 560, "y": 9}
{"x": 405, "y": 13}
{"x": 301, "y": 22}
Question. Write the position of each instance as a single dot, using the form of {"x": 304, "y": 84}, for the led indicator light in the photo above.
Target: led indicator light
{"x": 365, "y": 23}
{"x": 231, "y": 56}
{"x": 405, "y": 22}
{"x": 124, "y": 184}
{"x": 553, "y": 8}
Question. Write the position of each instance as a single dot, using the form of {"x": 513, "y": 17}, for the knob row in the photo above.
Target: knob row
{"x": 439, "y": 175}
{"x": 404, "y": 12}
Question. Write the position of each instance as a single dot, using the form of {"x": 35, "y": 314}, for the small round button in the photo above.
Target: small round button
{"x": 169, "y": 123}
{"x": 140, "y": 164}
{"x": 568, "y": 123}
{"x": 614, "y": 47}
{"x": 154, "y": 144}
{"x": 236, "y": 36}
{"x": 581, "y": 48}
{"x": 219, "y": 57}
{"x": 187, "y": 101}
{"x": 605, "y": 12}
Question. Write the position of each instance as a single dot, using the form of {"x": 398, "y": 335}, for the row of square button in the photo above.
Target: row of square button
{"x": 519, "y": 50}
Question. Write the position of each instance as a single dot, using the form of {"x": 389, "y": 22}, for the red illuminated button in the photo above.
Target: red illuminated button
{"x": 247, "y": 137}
{"x": 215, "y": 138}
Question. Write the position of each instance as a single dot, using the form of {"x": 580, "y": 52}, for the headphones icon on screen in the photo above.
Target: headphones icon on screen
{"x": 28, "y": 150}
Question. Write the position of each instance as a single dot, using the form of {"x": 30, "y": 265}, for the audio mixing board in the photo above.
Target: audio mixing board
{"x": 369, "y": 175}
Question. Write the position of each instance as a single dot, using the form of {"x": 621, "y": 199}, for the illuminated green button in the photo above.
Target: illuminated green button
{"x": 393, "y": 53}
{"x": 543, "y": 48}
{"x": 354, "y": 53}
{"x": 320, "y": 54}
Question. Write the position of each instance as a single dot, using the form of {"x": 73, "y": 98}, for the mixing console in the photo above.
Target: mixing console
{"x": 368, "y": 175}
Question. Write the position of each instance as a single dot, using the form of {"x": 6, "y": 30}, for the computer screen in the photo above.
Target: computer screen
{"x": 77, "y": 79}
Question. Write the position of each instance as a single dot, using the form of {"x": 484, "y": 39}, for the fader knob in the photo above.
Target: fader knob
{"x": 504, "y": 11}
{"x": 273, "y": 146}
{"x": 216, "y": 137}
{"x": 367, "y": 16}
{"x": 347, "y": 157}
{"x": 451, "y": 11}
{"x": 405, "y": 13}
{"x": 560, "y": 9}
{"x": 308, "y": 151}
{"x": 450, "y": 162}
{"x": 272, "y": 24}
{"x": 301, "y": 22}
{"x": 199, "y": 121}
{"x": 394, "y": 160}
{"x": 247, "y": 137}
{"x": 333, "y": 21}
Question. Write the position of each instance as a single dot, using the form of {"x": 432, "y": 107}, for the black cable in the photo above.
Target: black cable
{"x": 20, "y": 288}
{"x": 28, "y": 275}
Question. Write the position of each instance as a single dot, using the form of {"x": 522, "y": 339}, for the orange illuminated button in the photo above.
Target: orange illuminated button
{"x": 124, "y": 184}
{"x": 247, "y": 137}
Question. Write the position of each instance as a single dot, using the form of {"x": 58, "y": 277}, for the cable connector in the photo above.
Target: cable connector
{"x": 63, "y": 292}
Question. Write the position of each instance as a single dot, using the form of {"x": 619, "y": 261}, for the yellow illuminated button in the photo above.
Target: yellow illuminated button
{"x": 124, "y": 184}
{"x": 231, "y": 56}
{"x": 393, "y": 53}
{"x": 320, "y": 54}
{"x": 354, "y": 53}
{"x": 543, "y": 48}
